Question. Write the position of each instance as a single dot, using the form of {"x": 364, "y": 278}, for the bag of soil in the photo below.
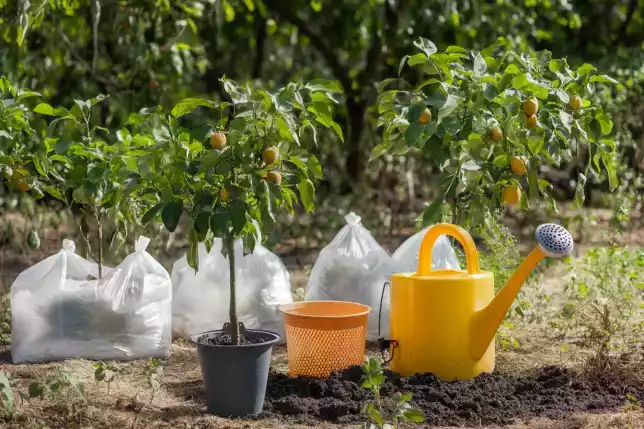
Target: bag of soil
{"x": 353, "y": 267}
{"x": 201, "y": 299}
{"x": 443, "y": 255}
{"x": 61, "y": 310}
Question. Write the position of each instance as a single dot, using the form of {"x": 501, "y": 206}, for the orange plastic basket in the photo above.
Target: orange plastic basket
{"x": 323, "y": 336}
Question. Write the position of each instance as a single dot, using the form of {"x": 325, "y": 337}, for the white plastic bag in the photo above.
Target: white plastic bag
{"x": 61, "y": 310}
{"x": 443, "y": 255}
{"x": 353, "y": 267}
{"x": 201, "y": 300}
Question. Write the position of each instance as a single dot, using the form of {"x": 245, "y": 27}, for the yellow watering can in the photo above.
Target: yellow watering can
{"x": 444, "y": 321}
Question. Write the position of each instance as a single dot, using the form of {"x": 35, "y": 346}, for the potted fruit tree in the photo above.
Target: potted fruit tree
{"x": 230, "y": 178}
{"x": 488, "y": 120}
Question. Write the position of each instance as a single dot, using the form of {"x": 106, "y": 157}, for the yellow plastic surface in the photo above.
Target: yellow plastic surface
{"x": 324, "y": 336}
{"x": 444, "y": 321}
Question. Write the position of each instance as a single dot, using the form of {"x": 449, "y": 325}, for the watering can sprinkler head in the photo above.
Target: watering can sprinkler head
{"x": 554, "y": 240}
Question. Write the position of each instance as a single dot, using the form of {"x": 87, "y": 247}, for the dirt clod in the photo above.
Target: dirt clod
{"x": 495, "y": 399}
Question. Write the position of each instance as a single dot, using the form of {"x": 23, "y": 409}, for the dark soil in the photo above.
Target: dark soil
{"x": 227, "y": 339}
{"x": 489, "y": 399}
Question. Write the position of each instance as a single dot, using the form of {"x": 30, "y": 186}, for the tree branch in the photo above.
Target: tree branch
{"x": 392, "y": 10}
{"x": 629, "y": 16}
{"x": 284, "y": 10}
{"x": 260, "y": 44}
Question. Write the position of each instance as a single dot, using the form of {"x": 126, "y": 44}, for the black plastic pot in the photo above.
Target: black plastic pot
{"x": 235, "y": 377}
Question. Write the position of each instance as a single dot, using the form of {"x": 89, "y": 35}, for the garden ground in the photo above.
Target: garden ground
{"x": 536, "y": 383}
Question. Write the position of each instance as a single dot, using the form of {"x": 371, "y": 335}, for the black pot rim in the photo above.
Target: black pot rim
{"x": 193, "y": 339}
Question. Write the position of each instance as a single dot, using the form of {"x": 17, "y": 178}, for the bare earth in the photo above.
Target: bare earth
{"x": 179, "y": 404}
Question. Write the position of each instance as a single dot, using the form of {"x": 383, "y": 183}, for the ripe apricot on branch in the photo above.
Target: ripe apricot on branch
{"x": 273, "y": 176}
{"x": 224, "y": 195}
{"x": 218, "y": 140}
{"x": 531, "y": 121}
{"x": 518, "y": 165}
{"x": 270, "y": 155}
{"x": 425, "y": 116}
{"x": 496, "y": 134}
{"x": 511, "y": 195}
{"x": 530, "y": 106}
{"x": 575, "y": 102}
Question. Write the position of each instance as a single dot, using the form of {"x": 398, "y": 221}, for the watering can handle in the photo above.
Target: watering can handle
{"x": 464, "y": 237}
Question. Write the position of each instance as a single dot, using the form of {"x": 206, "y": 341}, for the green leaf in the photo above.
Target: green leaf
{"x": 417, "y": 59}
{"x": 338, "y": 130}
{"x": 425, "y": 45}
{"x": 480, "y": 65}
{"x": 324, "y": 85}
{"x": 219, "y": 224}
{"x": 380, "y": 150}
{"x": 413, "y": 415}
{"x": 605, "y": 121}
{"x": 172, "y": 214}
{"x": 413, "y": 133}
{"x": 307, "y": 194}
{"x": 580, "y": 197}
{"x": 187, "y": 105}
{"x": 193, "y": 250}
{"x": 238, "y": 215}
{"x": 607, "y": 159}
{"x": 455, "y": 50}
{"x": 586, "y": 69}
{"x": 151, "y": 214}
{"x": 603, "y": 79}
{"x": 451, "y": 103}
{"x": 315, "y": 167}
{"x": 433, "y": 212}
{"x": 53, "y": 192}
{"x": 44, "y": 109}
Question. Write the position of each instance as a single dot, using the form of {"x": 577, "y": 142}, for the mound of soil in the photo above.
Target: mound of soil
{"x": 488, "y": 399}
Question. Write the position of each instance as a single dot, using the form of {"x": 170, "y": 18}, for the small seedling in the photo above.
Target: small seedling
{"x": 105, "y": 372}
{"x": 373, "y": 380}
{"x": 154, "y": 371}
{"x": 6, "y": 392}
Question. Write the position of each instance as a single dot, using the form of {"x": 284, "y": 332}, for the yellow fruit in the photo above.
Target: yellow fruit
{"x": 531, "y": 107}
{"x": 20, "y": 183}
{"x": 531, "y": 121}
{"x": 425, "y": 116}
{"x": 511, "y": 195}
{"x": 270, "y": 155}
{"x": 517, "y": 165}
{"x": 224, "y": 195}
{"x": 496, "y": 134}
{"x": 218, "y": 140}
{"x": 575, "y": 102}
{"x": 273, "y": 176}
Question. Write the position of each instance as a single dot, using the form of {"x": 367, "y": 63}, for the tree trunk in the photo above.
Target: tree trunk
{"x": 356, "y": 159}
{"x": 234, "y": 321}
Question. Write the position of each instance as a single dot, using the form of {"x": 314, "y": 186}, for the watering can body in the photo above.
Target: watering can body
{"x": 431, "y": 320}
{"x": 444, "y": 321}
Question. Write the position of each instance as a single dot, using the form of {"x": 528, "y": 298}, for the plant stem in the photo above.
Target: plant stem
{"x": 234, "y": 323}
{"x": 100, "y": 244}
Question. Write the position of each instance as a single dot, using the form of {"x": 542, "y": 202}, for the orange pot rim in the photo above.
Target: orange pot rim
{"x": 361, "y": 309}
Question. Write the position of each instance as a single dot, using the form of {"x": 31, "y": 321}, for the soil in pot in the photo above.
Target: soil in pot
{"x": 219, "y": 339}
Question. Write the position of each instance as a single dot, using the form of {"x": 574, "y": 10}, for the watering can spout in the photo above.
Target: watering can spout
{"x": 555, "y": 242}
